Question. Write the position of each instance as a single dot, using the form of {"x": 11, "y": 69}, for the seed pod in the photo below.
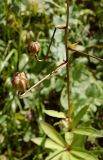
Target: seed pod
{"x": 63, "y": 26}
{"x": 20, "y": 82}
{"x": 34, "y": 47}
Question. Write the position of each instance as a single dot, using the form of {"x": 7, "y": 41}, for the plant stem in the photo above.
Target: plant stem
{"x": 48, "y": 75}
{"x": 51, "y": 42}
{"x": 55, "y": 29}
{"x": 67, "y": 57}
{"x": 84, "y": 54}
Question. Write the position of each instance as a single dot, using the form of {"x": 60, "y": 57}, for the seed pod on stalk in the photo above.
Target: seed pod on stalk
{"x": 34, "y": 47}
{"x": 20, "y": 82}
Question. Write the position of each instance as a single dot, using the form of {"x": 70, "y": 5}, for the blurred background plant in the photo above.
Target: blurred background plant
{"x": 26, "y": 20}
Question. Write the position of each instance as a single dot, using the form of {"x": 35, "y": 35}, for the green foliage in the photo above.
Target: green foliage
{"x": 56, "y": 114}
{"x": 52, "y": 133}
{"x": 88, "y": 132}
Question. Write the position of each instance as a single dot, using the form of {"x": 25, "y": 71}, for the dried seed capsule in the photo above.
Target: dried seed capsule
{"x": 34, "y": 47}
{"x": 20, "y": 82}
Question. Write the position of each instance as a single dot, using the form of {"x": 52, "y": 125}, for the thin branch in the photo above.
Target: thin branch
{"x": 39, "y": 82}
{"x": 51, "y": 42}
{"x": 55, "y": 29}
{"x": 84, "y": 54}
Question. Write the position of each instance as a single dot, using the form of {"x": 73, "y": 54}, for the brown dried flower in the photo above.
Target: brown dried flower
{"x": 34, "y": 47}
{"x": 20, "y": 82}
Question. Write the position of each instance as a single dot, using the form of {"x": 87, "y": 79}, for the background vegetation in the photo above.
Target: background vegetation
{"x": 22, "y": 21}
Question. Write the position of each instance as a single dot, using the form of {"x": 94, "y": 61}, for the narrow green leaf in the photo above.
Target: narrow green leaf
{"x": 74, "y": 157}
{"x": 88, "y": 132}
{"x": 23, "y": 61}
{"x": 79, "y": 140}
{"x": 52, "y": 133}
{"x": 68, "y": 156}
{"x": 54, "y": 113}
{"x": 9, "y": 55}
{"x": 87, "y": 12}
{"x": 98, "y": 151}
{"x": 63, "y": 155}
{"x": 69, "y": 137}
{"x": 52, "y": 2}
{"x": 79, "y": 116}
{"x": 64, "y": 98}
{"x": 47, "y": 144}
{"x": 83, "y": 154}
{"x": 55, "y": 155}
{"x": 3, "y": 118}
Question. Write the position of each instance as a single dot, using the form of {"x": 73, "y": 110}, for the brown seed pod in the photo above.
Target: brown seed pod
{"x": 20, "y": 82}
{"x": 34, "y": 47}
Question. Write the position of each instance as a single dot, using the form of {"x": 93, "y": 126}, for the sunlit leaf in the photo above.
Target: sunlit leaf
{"x": 54, "y": 113}
{"x": 88, "y": 132}
{"x": 69, "y": 137}
{"x": 78, "y": 117}
{"x": 55, "y": 155}
{"x": 64, "y": 98}
{"x": 52, "y": 133}
{"x": 23, "y": 61}
{"x": 87, "y": 12}
{"x": 68, "y": 156}
{"x": 85, "y": 155}
{"x": 79, "y": 140}
{"x": 53, "y": 2}
{"x": 48, "y": 143}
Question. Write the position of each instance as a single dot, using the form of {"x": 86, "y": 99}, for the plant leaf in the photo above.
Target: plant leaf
{"x": 52, "y": 133}
{"x": 63, "y": 155}
{"x": 98, "y": 151}
{"x": 88, "y": 132}
{"x": 78, "y": 117}
{"x": 69, "y": 137}
{"x": 83, "y": 154}
{"x": 47, "y": 144}
{"x": 79, "y": 140}
{"x": 68, "y": 156}
{"x": 64, "y": 99}
{"x": 54, "y": 113}
{"x": 55, "y": 155}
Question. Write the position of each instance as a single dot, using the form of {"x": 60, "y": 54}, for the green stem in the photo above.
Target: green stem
{"x": 67, "y": 57}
